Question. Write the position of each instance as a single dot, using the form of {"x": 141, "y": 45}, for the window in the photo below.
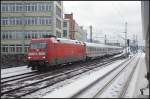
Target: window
{"x": 43, "y": 20}
{"x": 13, "y": 8}
{"x": 10, "y": 35}
{"x": 64, "y": 33}
{"x": 32, "y": 21}
{"x": 26, "y": 48}
{"x": 58, "y": 11}
{"x": 18, "y": 21}
{"x": 49, "y": 21}
{"x": 7, "y": 7}
{"x": 35, "y": 21}
{"x": 32, "y": 7}
{"x": 6, "y": 36}
{"x": 35, "y": 5}
{"x": 4, "y": 48}
{"x": 65, "y": 24}
{"x": 18, "y": 48}
{"x": 33, "y": 35}
{"x": 58, "y": 23}
{"x": 14, "y": 20}
{"x": 28, "y": 7}
{"x": 17, "y": 8}
{"x": 11, "y": 21}
{"x": 12, "y": 48}
{"x": 35, "y": 45}
{"x": 58, "y": 34}
{"x": 43, "y": 7}
{"x": 4, "y": 21}
{"x": 10, "y": 7}
{"x": 29, "y": 21}
{"x": 48, "y": 7}
{"x": 2, "y": 7}
{"x": 26, "y": 35}
{"x": 29, "y": 36}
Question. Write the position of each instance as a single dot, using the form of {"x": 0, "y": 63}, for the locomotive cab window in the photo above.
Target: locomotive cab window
{"x": 38, "y": 45}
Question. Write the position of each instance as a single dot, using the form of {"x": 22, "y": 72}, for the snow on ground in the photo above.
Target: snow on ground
{"x": 132, "y": 85}
{"x": 141, "y": 81}
{"x": 14, "y": 71}
{"x": 116, "y": 87}
{"x": 69, "y": 90}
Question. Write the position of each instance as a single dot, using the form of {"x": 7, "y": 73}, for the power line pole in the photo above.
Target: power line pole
{"x": 126, "y": 37}
{"x": 105, "y": 39}
{"x": 91, "y": 33}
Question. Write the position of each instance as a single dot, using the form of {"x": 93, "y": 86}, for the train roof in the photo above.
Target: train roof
{"x": 100, "y": 45}
{"x": 68, "y": 41}
{"x": 59, "y": 40}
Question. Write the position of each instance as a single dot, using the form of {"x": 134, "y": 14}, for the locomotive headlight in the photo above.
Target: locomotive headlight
{"x": 29, "y": 57}
{"x": 43, "y": 57}
{"x": 42, "y": 53}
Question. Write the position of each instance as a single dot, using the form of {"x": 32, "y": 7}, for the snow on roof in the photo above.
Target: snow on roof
{"x": 68, "y": 41}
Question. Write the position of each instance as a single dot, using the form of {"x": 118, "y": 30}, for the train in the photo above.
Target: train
{"x": 51, "y": 51}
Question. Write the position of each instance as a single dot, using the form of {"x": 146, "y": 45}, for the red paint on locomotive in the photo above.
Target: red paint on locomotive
{"x": 54, "y": 52}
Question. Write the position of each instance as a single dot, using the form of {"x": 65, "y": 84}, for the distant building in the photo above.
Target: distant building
{"x": 71, "y": 25}
{"x": 80, "y": 34}
{"x": 23, "y": 20}
{"x": 76, "y": 32}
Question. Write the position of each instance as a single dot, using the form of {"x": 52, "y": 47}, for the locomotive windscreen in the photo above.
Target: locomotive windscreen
{"x": 38, "y": 45}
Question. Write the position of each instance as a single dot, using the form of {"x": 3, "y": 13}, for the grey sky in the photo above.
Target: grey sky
{"x": 107, "y": 17}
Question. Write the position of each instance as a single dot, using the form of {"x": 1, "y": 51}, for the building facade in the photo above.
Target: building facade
{"x": 76, "y": 32}
{"x": 146, "y": 29}
{"x": 23, "y": 20}
{"x": 80, "y": 33}
{"x": 71, "y": 25}
{"x": 66, "y": 28}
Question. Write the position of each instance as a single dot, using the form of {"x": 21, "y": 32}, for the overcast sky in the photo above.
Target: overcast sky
{"x": 107, "y": 17}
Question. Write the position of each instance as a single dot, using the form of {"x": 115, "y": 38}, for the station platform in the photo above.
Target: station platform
{"x": 139, "y": 81}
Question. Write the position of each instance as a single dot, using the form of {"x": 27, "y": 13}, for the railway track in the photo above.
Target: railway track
{"x": 21, "y": 88}
{"x": 17, "y": 77}
{"x": 119, "y": 92}
{"x": 27, "y": 76}
{"x": 103, "y": 85}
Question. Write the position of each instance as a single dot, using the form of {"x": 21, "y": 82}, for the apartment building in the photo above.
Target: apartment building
{"x": 23, "y": 20}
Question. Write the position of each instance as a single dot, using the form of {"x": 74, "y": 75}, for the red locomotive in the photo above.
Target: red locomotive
{"x": 51, "y": 51}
